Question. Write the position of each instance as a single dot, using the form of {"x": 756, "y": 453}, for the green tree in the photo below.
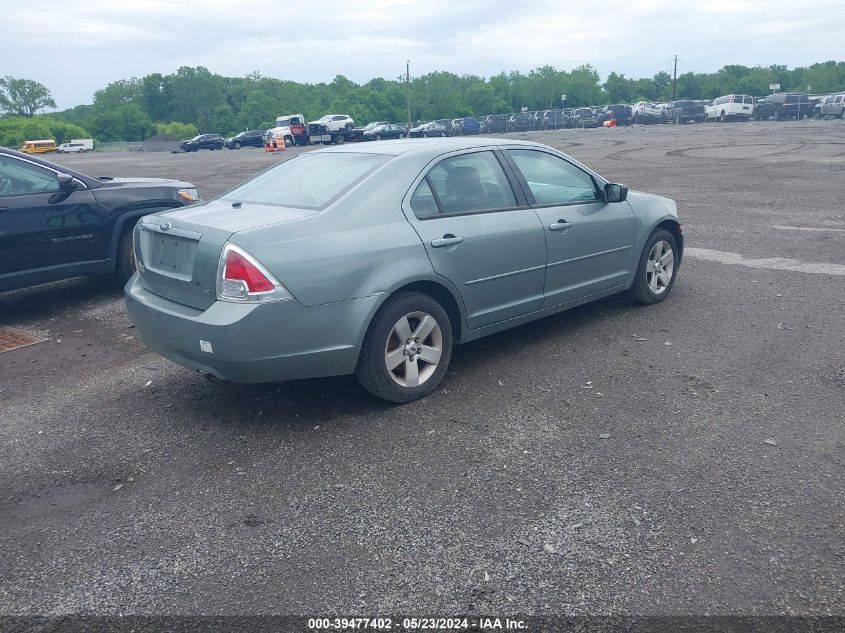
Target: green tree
{"x": 119, "y": 93}
{"x": 14, "y": 130}
{"x": 127, "y": 122}
{"x": 155, "y": 96}
{"x": 619, "y": 89}
{"x": 23, "y": 97}
{"x": 175, "y": 131}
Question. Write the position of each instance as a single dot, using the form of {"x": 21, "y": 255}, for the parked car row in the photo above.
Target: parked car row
{"x": 292, "y": 130}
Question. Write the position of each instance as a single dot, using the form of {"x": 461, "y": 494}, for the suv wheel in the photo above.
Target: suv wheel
{"x": 288, "y": 141}
{"x": 723, "y": 118}
{"x": 407, "y": 348}
{"x": 776, "y": 115}
{"x": 657, "y": 268}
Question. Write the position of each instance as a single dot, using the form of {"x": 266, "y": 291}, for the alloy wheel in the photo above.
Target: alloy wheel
{"x": 413, "y": 349}
{"x": 659, "y": 267}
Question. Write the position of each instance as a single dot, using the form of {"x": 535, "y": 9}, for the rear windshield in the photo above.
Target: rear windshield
{"x": 310, "y": 182}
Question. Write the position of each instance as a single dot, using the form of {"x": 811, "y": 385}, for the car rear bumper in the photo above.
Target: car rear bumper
{"x": 252, "y": 343}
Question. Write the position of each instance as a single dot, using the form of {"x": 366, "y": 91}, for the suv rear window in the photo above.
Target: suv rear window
{"x": 309, "y": 181}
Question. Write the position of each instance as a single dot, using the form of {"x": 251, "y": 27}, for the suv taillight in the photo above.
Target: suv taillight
{"x": 241, "y": 278}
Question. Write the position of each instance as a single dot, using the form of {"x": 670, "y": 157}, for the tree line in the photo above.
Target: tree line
{"x": 195, "y": 99}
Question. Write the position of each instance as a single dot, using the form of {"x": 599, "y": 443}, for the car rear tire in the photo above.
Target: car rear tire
{"x": 288, "y": 141}
{"x": 126, "y": 255}
{"x": 407, "y": 348}
{"x": 401, "y": 136}
{"x": 657, "y": 268}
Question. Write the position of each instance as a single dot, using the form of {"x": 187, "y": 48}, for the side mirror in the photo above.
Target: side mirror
{"x": 615, "y": 193}
{"x": 66, "y": 182}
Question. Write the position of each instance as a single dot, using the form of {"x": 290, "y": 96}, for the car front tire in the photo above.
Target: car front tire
{"x": 407, "y": 349}
{"x": 657, "y": 268}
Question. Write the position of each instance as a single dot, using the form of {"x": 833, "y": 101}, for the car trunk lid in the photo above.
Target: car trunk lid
{"x": 178, "y": 251}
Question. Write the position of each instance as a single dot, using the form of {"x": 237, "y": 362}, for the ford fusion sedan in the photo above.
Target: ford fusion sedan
{"x": 57, "y": 223}
{"x": 377, "y": 259}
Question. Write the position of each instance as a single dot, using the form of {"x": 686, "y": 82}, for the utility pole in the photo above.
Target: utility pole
{"x": 408, "y": 87}
{"x": 675, "y": 80}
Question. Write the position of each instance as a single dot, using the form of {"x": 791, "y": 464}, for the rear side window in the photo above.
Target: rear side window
{"x": 423, "y": 203}
{"x": 471, "y": 182}
{"x": 553, "y": 180}
{"x": 309, "y": 181}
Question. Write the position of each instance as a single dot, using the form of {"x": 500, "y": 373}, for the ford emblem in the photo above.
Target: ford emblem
{"x": 165, "y": 226}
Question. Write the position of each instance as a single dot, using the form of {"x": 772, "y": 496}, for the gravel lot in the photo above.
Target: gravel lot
{"x": 683, "y": 458}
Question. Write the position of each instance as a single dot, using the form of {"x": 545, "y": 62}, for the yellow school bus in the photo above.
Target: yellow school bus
{"x": 39, "y": 147}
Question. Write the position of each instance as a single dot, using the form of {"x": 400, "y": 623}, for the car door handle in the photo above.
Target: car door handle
{"x": 560, "y": 225}
{"x": 446, "y": 240}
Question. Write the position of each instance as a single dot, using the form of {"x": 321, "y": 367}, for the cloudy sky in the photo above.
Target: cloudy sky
{"x": 76, "y": 47}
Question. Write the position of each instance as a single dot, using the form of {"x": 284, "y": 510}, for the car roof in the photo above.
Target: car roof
{"x": 428, "y": 146}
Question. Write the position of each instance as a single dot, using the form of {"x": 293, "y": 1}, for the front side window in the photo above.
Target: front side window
{"x": 19, "y": 178}
{"x": 471, "y": 182}
{"x": 553, "y": 180}
{"x": 309, "y": 181}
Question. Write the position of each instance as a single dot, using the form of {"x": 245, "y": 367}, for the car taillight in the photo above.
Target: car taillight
{"x": 242, "y": 278}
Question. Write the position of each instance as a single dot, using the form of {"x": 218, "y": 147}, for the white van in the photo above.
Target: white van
{"x": 71, "y": 148}
{"x": 730, "y": 108}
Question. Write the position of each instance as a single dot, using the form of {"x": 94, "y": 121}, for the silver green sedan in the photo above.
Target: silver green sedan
{"x": 376, "y": 260}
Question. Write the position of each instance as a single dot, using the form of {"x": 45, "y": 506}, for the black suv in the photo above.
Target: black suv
{"x": 685, "y": 112}
{"x": 619, "y": 113}
{"x": 785, "y": 105}
{"x": 203, "y": 141}
{"x": 249, "y": 138}
{"x": 56, "y": 223}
